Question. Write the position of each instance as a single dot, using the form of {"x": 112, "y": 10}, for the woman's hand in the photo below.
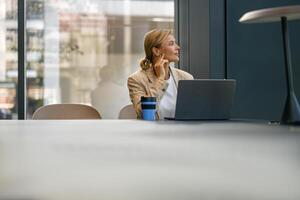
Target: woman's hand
{"x": 161, "y": 67}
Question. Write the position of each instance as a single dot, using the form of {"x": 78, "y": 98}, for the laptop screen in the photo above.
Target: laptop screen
{"x": 204, "y": 99}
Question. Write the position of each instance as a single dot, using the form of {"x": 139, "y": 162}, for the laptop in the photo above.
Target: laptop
{"x": 204, "y": 99}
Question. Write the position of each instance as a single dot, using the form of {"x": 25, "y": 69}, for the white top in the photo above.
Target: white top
{"x": 271, "y": 14}
{"x": 168, "y": 102}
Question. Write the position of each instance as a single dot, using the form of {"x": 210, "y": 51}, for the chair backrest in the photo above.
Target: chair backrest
{"x": 127, "y": 112}
{"x": 66, "y": 111}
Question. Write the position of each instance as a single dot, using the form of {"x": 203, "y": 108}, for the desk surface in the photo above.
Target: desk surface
{"x": 271, "y": 14}
{"x": 131, "y": 159}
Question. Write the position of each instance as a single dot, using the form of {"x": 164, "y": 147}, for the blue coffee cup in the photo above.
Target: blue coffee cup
{"x": 148, "y": 108}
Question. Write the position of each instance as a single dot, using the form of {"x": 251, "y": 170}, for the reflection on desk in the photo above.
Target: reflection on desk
{"x": 132, "y": 159}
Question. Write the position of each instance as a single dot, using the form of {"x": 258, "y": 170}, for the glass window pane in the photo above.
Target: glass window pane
{"x": 8, "y": 59}
{"x": 35, "y": 52}
{"x": 83, "y": 51}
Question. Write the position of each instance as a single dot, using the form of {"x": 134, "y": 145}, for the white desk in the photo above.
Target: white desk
{"x": 130, "y": 159}
{"x": 271, "y": 14}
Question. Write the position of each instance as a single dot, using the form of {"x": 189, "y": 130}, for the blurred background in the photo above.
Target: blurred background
{"x": 77, "y": 51}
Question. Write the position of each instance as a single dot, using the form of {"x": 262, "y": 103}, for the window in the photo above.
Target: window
{"x": 8, "y": 59}
{"x": 83, "y": 51}
{"x": 76, "y": 51}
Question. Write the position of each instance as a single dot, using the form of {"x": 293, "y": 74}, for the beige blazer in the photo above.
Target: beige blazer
{"x": 145, "y": 83}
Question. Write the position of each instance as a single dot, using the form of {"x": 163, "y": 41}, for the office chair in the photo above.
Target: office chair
{"x": 127, "y": 112}
{"x": 66, "y": 111}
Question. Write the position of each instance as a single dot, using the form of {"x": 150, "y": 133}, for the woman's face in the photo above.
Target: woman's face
{"x": 170, "y": 49}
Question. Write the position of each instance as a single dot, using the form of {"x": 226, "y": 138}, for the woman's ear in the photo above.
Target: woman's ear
{"x": 156, "y": 51}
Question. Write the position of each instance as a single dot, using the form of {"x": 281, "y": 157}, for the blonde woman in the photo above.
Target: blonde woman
{"x": 156, "y": 78}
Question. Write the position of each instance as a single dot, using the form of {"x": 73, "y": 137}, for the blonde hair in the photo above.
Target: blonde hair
{"x": 153, "y": 38}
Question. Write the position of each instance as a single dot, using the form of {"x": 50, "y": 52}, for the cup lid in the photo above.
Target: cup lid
{"x": 151, "y": 99}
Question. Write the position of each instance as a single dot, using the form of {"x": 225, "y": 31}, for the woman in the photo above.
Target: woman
{"x": 156, "y": 78}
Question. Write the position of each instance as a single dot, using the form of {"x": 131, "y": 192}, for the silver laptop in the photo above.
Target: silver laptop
{"x": 204, "y": 99}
